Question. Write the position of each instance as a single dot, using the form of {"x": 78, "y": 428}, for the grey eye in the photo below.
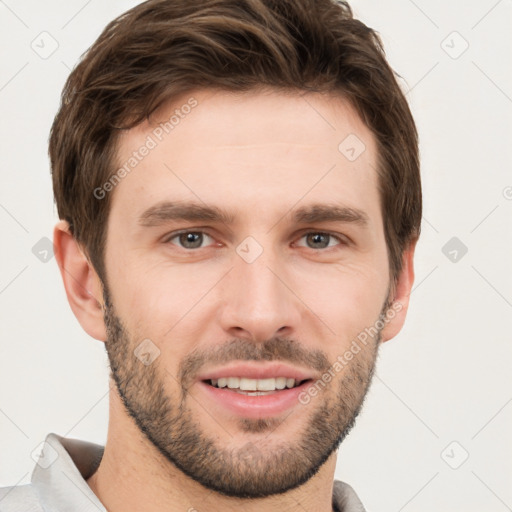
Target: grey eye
{"x": 190, "y": 239}
{"x": 320, "y": 240}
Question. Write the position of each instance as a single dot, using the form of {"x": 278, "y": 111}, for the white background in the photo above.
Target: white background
{"x": 445, "y": 378}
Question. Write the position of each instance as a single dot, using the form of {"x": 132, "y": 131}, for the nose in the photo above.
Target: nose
{"x": 259, "y": 302}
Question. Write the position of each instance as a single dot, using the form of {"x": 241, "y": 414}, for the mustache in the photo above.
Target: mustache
{"x": 275, "y": 349}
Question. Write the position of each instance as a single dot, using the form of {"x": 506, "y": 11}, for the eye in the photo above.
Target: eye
{"x": 195, "y": 239}
{"x": 321, "y": 240}
{"x": 189, "y": 239}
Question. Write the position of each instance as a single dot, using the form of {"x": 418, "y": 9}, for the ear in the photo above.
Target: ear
{"x": 83, "y": 286}
{"x": 399, "y": 303}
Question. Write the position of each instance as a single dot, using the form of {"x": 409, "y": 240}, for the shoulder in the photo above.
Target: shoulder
{"x": 345, "y": 498}
{"x": 19, "y": 498}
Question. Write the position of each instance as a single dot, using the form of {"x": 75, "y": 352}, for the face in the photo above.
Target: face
{"x": 246, "y": 249}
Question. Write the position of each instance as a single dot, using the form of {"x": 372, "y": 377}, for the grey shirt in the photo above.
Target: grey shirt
{"x": 58, "y": 482}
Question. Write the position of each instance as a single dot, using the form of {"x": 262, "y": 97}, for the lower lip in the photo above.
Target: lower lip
{"x": 255, "y": 406}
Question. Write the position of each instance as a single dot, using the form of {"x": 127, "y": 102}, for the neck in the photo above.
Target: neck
{"x": 134, "y": 476}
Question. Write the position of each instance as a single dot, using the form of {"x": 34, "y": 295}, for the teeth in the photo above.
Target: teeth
{"x": 245, "y": 384}
{"x": 233, "y": 382}
{"x": 281, "y": 382}
{"x": 248, "y": 384}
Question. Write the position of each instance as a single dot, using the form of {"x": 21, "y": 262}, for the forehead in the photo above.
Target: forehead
{"x": 252, "y": 152}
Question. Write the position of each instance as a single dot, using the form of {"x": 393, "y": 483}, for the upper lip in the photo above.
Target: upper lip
{"x": 257, "y": 371}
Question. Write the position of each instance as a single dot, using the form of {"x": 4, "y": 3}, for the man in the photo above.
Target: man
{"x": 239, "y": 194}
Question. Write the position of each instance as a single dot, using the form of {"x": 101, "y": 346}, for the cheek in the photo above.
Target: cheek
{"x": 346, "y": 298}
{"x": 159, "y": 299}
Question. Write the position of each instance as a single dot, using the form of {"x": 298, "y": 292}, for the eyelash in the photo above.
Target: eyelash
{"x": 341, "y": 240}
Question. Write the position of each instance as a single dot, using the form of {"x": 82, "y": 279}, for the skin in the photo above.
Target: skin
{"x": 259, "y": 156}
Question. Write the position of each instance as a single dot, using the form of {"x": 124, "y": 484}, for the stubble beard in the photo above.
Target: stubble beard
{"x": 261, "y": 467}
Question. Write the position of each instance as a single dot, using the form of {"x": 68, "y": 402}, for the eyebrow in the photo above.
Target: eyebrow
{"x": 192, "y": 211}
{"x": 188, "y": 211}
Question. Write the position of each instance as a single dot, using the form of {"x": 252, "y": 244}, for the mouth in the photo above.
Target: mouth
{"x": 253, "y": 390}
{"x": 253, "y": 402}
{"x": 255, "y": 387}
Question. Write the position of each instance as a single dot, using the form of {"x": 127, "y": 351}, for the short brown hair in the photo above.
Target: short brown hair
{"x": 163, "y": 48}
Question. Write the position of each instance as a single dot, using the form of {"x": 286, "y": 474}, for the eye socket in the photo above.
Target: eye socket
{"x": 314, "y": 236}
{"x": 193, "y": 239}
